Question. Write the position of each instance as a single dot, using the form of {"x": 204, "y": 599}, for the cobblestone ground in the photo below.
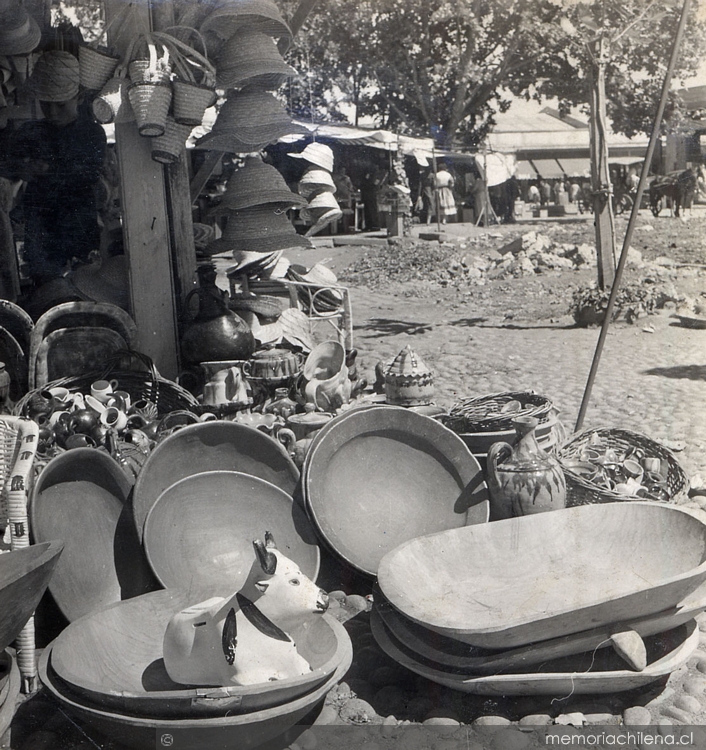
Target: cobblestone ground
{"x": 651, "y": 380}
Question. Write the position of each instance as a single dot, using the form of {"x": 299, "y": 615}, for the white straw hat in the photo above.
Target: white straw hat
{"x": 318, "y": 154}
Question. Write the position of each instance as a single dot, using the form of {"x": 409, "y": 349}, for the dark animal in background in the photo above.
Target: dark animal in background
{"x": 676, "y": 188}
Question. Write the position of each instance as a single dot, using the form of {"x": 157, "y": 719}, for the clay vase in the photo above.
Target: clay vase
{"x": 524, "y": 479}
{"x": 216, "y": 332}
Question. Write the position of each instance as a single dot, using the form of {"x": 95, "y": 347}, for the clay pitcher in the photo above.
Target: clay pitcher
{"x": 524, "y": 479}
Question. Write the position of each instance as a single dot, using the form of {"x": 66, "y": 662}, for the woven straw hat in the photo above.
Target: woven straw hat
{"x": 19, "y": 32}
{"x": 55, "y": 77}
{"x": 323, "y": 200}
{"x": 251, "y": 57}
{"x": 260, "y": 229}
{"x": 256, "y": 183}
{"x": 104, "y": 282}
{"x": 318, "y": 154}
{"x": 316, "y": 181}
{"x": 256, "y": 15}
{"x": 248, "y": 121}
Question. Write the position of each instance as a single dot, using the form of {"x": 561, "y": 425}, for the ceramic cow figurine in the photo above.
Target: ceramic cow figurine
{"x": 244, "y": 639}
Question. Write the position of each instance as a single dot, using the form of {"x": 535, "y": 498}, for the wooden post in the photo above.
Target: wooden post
{"x": 144, "y": 213}
{"x": 600, "y": 174}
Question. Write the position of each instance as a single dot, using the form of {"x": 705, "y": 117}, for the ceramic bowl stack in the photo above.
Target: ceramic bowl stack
{"x": 205, "y": 493}
{"x": 592, "y": 599}
{"x": 317, "y": 187}
{"x": 376, "y": 477}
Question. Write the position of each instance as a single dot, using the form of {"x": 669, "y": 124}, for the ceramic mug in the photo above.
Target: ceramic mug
{"x": 113, "y": 418}
{"x": 214, "y": 393}
{"x": 103, "y": 389}
{"x": 121, "y": 400}
{"x": 62, "y": 396}
{"x": 93, "y": 403}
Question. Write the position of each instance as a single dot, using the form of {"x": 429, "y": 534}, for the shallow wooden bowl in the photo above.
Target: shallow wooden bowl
{"x": 243, "y": 731}
{"x": 521, "y": 580}
{"x": 24, "y": 577}
{"x": 112, "y": 660}
{"x": 211, "y": 446}
{"x": 380, "y": 476}
{"x": 446, "y": 653}
{"x": 588, "y": 673}
{"x": 198, "y": 535}
{"x": 81, "y": 497}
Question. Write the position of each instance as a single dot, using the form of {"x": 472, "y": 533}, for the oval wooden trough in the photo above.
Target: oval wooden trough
{"x": 81, "y": 497}
{"x": 380, "y": 476}
{"x": 112, "y": 660}
{"x": 521, "y": 580}
{"x": 211, "y": 446}
{"x": 198, "y": 535}
{"x": 24, "y": 577}
{"x": 243, "y": 731}
{"x": 584, "y": 674}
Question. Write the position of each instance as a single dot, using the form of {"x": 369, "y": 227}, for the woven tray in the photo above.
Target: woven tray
{"x": 145, "y": 383}
{"x": 581, "y": 491}
{"x": 485, "y": 414}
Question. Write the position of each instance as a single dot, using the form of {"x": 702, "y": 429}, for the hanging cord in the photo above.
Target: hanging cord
{"x": 634, "y": 213}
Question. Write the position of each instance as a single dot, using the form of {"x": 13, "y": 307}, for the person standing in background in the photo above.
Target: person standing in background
{"x": 443, "y": 184}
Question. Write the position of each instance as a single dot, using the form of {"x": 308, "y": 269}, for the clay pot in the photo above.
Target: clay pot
{"x": 83, "y": 420}
{"x": 523, "y": 479}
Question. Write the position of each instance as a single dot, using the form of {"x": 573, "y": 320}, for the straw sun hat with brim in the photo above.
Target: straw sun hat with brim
{"x": 19, "y": 32}
{"x": 251, "y": 57}
{"x": 260, "y": 229}
{"x": 316, "y": 181}
{"x": 106, "y": 281}
{"x": 55, "y": 77}
{"x": 256, "y": 15}
{"x": 256, "y": 183}
{"x": 318, "y": 154}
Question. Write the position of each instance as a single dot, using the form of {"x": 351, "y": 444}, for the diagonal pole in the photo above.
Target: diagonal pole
{"x": 633, "y": 214}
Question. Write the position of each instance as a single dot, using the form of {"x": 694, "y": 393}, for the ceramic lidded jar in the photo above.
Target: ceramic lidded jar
{"x": 408, "y": 380}
{"x": 523, "y": 479}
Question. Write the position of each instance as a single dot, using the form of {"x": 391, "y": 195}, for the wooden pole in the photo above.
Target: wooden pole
{"x": 654, "y": 136}
{"x": 600, "y": 175}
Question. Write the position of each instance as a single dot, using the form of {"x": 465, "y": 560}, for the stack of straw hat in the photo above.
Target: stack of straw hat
{"x": 19, "y": 32}
{"x": 317, "y": 186}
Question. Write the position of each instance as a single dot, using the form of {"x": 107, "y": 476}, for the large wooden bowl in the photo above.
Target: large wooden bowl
{"x": 81, "y": 497}
{"x": 380, "y": 476}
{"x": 522, "y": 580}
{"x": 112, "y": 660}
{"x": 198, "y": 535}
{"x": 588, "y": 673}
{"x": 211, "y": 446}
{"x": 24, "y": 577}
{"x": 243, "y": 731}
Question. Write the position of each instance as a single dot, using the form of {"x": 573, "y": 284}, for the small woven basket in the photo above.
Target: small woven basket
{"x": 168, "y": 147}
{"x": 150, "y": 103}
{"x": 485, "y": 414}
{"x": 96, "y": 67}
{"x": 145, "y": 383}
{"x": 190, "y": 101}
{"x": 581, "y": 491}
{"x": 112, "y": 103}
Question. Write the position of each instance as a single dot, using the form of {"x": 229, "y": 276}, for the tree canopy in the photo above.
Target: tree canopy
{"x": 445, "y": 67}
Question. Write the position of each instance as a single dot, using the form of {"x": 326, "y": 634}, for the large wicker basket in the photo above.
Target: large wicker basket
{"x": 485, "y": 414}
{"x": 581, "y": 491}
{"x": 144, "y": 383}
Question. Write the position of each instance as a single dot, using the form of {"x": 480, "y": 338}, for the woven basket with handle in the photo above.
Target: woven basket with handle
{"x": 495, "y": 412}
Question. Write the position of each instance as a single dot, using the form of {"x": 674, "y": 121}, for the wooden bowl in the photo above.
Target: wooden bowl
{"x": 112, "y": 660}
{"x": 24, "y": 577}
{"x": 243, "y": 731}
{"x": 211, "y": 446}
{"x": 379, "y": 476}
{"x": 588, "y": 673}
{"x": 81, "y": 497}
{"x": 198, "y": 535}
{"x": 513, "y": 582}
{"x": 449, "y": 654}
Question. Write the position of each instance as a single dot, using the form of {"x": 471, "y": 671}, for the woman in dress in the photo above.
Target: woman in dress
{"x": 443, "y": 184}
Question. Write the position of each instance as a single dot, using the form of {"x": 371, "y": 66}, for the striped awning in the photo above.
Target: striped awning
{"x": 547, "y": 168}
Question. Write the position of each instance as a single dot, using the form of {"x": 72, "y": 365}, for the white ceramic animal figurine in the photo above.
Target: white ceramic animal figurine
{"x": 244, "y": 639}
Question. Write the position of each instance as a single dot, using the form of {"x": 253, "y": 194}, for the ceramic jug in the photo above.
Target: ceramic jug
{"x": 524, "y": 479}
{"x": 216, "y": 332}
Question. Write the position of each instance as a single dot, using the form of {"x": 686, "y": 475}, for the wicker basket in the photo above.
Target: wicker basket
{"x": 150, "y": 103}
{"x": 96, "y": 67}
{"x": 168, "y": 147}
{"x": 485, "y": 414}
{"x": 581, "y": 491}
{"x": 18, "y": 448}
{"x": 112, "y": 103}
{"x": 190, "y": 101}
{"x": 145, "y": 383}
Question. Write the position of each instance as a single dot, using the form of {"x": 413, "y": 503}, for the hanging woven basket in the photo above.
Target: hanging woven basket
{"x": 150, "y": 103}
{"x": 150, "y": 61}
{"x": 96, "y": 67}
{"x": 168, "y": 148}
{"x": 190, "y": 102}
{"x": 112, "y": 103}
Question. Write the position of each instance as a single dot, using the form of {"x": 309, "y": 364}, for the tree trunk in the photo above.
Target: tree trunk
{"x": 600, "y": 175}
